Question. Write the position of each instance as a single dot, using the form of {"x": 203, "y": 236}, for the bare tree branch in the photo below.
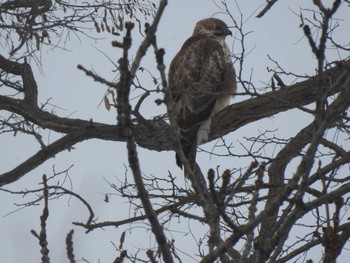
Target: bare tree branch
{"x": 271, "y": 103}
{"x": 156, "y": 136}
{"x": 268, "y": 6}
{"x": 126, "y": 126}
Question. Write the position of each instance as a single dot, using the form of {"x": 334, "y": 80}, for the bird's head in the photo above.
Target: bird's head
{"x": 212, "y": 26}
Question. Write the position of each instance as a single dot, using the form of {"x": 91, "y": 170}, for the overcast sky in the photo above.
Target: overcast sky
{"x": 277, "y": 34}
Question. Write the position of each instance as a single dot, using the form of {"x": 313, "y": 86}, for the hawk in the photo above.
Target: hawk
{"x": 201, "y": 82}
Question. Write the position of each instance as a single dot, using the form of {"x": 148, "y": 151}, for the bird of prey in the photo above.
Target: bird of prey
{"x": 201, "y": 82}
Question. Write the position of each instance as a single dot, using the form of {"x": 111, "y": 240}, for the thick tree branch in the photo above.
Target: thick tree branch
{"x": 151, "y": 135}
{"x": 276, "y": 173}
{"x": 23, "y": 4}
{"x": 29, "y": 85}
{"x": 41, "y": 156}
{"x": 10, "y": 66}
{"x": 25, "y": 71}
{"x": 155, "y": 134}
{"x": 340, "y": 104}
{"x": 271, "y": 103}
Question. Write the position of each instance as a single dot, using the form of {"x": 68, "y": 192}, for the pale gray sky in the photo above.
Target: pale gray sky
{"x": 276, "y": 34}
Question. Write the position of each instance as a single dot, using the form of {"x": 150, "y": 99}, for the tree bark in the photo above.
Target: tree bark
{"x": 154, "y": 134}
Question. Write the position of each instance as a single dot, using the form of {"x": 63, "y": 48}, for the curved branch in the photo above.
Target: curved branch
{"x": 151, "y": 134}
{"x": 25, "y": 71}
{"x": 10, "y": 66}
{"x": 276, "y": 173}
{"x": 65, "y": 143}
{"x": 155, "y": 134}
{"x": 271, "y": 103}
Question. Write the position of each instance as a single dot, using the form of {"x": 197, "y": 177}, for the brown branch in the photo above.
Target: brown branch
{"x": 25, "y": 71}
{"x": 41, "y": 156}
{"x": 233, "y": 239}
{"x": 271, "y": 103}
{"x": 43, "y": 218}
{"x": 96, "y": 77}
{"x": 157, "y": 135}
{"x": 91, "y": 226}
{"x": 80, "y": 198}
{"x": 345, "y": 159}
{"x": 340, "y": 104}
{"x": 344, "y": 237}
{"x": 22, "y": 4}
{"x": 126, "y": 127}
{"x": 276, "y": 174}
{"x": 10, "y": 66}
{"x": 299, "y": 251}
{"x": 29, "y": 85}
{"x": 266, "y": 8}
{"x": 69, "y": 246}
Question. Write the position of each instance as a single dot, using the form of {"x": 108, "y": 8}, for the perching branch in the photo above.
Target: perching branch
{"x": 156, "y": 136}
{"x": 271, "y": 103}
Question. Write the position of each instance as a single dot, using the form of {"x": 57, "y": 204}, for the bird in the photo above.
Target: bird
{"x": 201, "y": 81}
